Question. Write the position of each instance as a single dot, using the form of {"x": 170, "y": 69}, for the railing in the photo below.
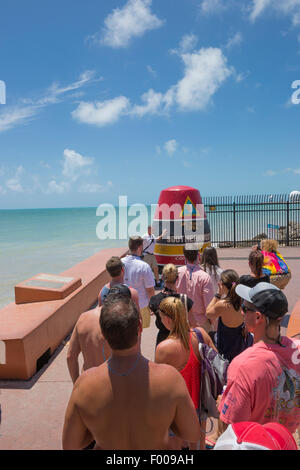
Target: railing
{"x": 237, "y": 221}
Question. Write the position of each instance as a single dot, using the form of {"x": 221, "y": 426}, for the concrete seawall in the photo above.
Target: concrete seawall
{"x": 30, "y": 332}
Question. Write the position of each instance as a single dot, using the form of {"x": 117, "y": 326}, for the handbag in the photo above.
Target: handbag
{"x": 213, "y": 378}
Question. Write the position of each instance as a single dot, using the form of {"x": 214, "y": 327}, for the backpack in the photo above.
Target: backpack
{"x": 120, "y": 289}
{"x": 213, "y": 378}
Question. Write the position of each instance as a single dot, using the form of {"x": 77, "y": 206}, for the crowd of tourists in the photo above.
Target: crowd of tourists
{"x": 204, "y": 316}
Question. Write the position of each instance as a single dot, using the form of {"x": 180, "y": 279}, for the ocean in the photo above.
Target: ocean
{"x": 45, "y": 240}
{"x": 53, "y": 240}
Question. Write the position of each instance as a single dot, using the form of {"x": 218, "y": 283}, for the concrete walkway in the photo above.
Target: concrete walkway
{"x": 33, "y": 411}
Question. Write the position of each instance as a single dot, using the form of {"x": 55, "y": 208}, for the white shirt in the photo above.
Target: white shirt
{"x": 138, "y": 275}
{"x": 215, "y": 278}
{"x": 146, "y": 244}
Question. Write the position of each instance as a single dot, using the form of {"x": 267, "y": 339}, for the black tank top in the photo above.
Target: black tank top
{"x": 231, "y": 341}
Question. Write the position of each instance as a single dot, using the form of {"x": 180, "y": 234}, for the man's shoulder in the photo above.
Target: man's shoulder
{"x": 87, "y": 318}
{"x": 164, "y": 371}
{"x": 201, "y": 274}
{"x": 250, "y": 360}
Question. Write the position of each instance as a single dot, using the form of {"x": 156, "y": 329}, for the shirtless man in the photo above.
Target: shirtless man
{"x": 88, "y": 340}
{"x": 129, "y": 402}
{"x": 116, "y": 270}
{"x": 87, "y": 337}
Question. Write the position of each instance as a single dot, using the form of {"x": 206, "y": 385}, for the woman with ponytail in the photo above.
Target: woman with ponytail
{"x": 256, "y": 263}
{"x": 232, "y": 337}
{"x": 180, "y": 350}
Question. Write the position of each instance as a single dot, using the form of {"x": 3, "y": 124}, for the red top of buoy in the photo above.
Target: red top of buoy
{"x": 178, "y": 197}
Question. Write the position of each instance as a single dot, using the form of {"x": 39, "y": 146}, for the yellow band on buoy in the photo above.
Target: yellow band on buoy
{"x": 170, "y": 250}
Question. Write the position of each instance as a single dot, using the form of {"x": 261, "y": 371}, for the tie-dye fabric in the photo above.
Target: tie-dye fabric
{"x": 274, "y": 263}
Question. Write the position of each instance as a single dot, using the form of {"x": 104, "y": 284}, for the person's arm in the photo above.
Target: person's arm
{"x": 150, "y": 292}
{"x": 207, "y": 339}
{"x": 214, "y": 309}
{"x": 162, "y": 354}
{"x": 76, "y": 435}
{"x": 161, "y": 236}
{"x": 72, "y": 355}
{"x": 149, "y": 281}
{"x": 135, "y": 297}
{"x": 207, "y": 292}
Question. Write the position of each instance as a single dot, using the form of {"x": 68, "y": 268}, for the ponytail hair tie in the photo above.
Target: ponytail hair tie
{"x": 233, "y": 284}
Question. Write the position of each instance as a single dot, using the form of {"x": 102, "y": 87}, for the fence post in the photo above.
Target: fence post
{"x": 234, "y": 226}
{"x": 288, "y": 223}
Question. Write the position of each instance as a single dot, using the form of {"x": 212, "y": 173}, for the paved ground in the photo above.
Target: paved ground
{"x": 33, "y": 411}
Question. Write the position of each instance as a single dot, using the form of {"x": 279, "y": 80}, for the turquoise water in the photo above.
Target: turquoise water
{"x": 45, "y": 240}
{"x": 53, "y": 240}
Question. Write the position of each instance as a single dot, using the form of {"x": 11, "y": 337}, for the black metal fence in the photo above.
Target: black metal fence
{"x": 237, "y": 221}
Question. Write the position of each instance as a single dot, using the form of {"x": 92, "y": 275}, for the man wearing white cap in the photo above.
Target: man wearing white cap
{"x": 263, "y": 382}
{"x": 254, "y": 436}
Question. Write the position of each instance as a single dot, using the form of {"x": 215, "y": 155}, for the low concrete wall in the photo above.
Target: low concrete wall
{"x": 294, "y": 322}
{"x": 30, "y": 330}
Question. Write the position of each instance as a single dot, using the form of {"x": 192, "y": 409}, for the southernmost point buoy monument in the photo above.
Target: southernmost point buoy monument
{"x": 180, "y": 212}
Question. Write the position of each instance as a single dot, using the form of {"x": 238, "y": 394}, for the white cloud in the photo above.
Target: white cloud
{"x": 12, "y": 116}
{"x": 14, "y": 184}
{"x": 58, "y": 188}
{"x": 95, "y": 187}
{"x": 239, "y": 77}
{"x": 205, "y": 71}
{"x": 187, "y": 43}
{"x": 73, "y": 163}
{"x": 152, "y": 104}
{"x": 101, "y": 113}
{"x": 235, "y": 40}
{"x": 213, "y": 6}
{"x": 151, "y": 71}
{"x": 258, "y": 6}
{"x": 171, "y": 147}
{"x": 270, "y": 173}
{"x": 285, "y": 7}
{"x": 123, "y": 24}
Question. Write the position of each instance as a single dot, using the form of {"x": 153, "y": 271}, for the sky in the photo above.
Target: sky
{"x": 106, "y": 98}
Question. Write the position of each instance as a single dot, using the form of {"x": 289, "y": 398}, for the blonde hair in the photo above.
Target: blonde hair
{"x": 269, "y": 245}
{"x": 170, "y": 273}
{"x": 174, "y": 309}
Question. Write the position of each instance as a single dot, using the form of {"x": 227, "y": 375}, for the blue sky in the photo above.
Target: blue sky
{"x": 108, "y": 98}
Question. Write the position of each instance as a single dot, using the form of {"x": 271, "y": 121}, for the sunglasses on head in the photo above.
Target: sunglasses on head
{"x": 248, "y": 309}
{"x": 163, "y": 313}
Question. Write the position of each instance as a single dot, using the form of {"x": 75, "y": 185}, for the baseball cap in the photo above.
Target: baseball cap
{"x": 248, "y": 435}
{"x": 192, "y": 246}
{"x": 118, "y": 289}
{"x": 267, "y": 298}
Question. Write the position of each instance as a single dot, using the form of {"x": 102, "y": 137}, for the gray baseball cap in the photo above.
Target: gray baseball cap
{"x": 267, "y": 298}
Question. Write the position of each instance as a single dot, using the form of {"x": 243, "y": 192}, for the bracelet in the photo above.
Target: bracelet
{"x": 217, "y": 296}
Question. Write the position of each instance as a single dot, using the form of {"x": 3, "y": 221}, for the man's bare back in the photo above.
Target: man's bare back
{"x": 87, "y": 338}
{"x": 134, "y": 411}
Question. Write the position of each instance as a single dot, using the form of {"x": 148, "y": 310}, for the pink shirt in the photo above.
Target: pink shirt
{"x": 256, "y": 386}
{"x": 197, "y": 285}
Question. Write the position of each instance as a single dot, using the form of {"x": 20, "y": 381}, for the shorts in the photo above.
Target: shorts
{"x": 151, "y": 260}
{"x": 145, "y": 314}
